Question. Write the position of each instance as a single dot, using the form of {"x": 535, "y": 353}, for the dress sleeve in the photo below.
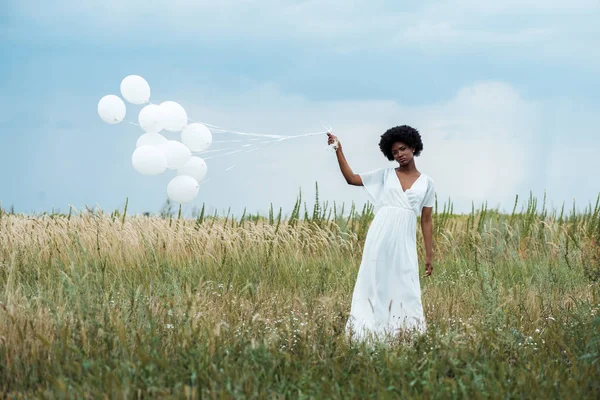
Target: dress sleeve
{"x": 373, "y": 182}
{"x": 429, "y": 200}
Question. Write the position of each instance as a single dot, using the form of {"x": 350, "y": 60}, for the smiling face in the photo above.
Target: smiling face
{"x": 402, "y": 153}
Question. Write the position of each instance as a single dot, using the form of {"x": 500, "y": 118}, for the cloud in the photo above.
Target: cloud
{"x": 478, "y": 145}
{"x": 482, "y": 73}
{"x": 485, "y": 143}
{"x": 339, "y": 25}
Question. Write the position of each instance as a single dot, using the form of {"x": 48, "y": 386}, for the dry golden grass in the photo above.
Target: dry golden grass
{"x": 95, "y": 304}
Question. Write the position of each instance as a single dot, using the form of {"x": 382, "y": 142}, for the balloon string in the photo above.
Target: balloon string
{"x": 221, "y": 130}
{"x": 217, "y": 150}
{"x": 218, "y": 129}
{"x": 273, "y": 139}
{"x": 279, "y": 138}
{"x": 252, "y": 134}
{"x": 271, "y": 136}
{"x": 266, "y": 144}
{"x": 214, "y": 150}
{"x": 248, "y": 150}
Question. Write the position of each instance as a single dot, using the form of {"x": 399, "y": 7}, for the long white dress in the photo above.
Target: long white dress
{"x": 387, "y": 293}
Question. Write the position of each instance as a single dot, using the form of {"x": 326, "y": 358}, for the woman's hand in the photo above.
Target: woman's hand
{"x": 331, "y": 139}
{"x": 428, "y": 268}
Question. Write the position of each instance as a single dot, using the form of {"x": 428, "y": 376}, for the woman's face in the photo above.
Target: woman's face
{"x": 402, "y": 153}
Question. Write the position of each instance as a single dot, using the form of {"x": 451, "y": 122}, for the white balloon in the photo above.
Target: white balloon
{"x": 174, "y": 116}
{"x": 195, "y": 167}
{"x": 151, "y": 118}
{"x": 149, "y": 160}
{"x": 183, "y": 189}
{"x": 151, "y": 139}
{"x": 135, "y": 89}
{"x": 176, "y": 153}
{"x": 197, "y": 137}
{"x": 111, "y": 109}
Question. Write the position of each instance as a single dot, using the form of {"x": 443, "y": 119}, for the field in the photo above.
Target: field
{"x": 95, "y": 304}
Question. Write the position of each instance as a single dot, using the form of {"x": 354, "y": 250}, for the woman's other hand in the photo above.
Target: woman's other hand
{"x": 428, "y": 268}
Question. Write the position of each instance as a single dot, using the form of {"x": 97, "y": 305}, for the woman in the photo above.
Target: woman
{"x": 387, "y": 294}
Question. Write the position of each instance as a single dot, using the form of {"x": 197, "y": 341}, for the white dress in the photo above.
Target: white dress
{"x": 387, "y": 293}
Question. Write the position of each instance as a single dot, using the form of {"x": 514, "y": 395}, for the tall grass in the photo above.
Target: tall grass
{"x": 115, "y": 305}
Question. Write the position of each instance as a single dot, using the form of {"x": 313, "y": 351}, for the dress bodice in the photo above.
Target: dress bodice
{"x": 385, "y": 190}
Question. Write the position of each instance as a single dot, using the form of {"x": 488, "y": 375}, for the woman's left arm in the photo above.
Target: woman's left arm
{"x": 427, "y": 229}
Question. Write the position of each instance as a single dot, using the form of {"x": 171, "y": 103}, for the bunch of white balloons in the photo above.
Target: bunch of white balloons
{"x": 154, "y": 153}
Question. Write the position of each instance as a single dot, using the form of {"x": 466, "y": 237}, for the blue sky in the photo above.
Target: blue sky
{"x": 504, "y": 95}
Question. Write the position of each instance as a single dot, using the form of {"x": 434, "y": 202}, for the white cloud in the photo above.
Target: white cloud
{"x": 486, "y": 143}
{"x": 347, "y": 26}
{"x": 511, "y": 7}
{"x": 483, "y": 144}
{"x": 478, "y": 145}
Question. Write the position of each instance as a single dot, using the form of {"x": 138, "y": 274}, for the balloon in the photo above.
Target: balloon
{"x": 183, "y": 189}
{"x": 151, "y": 139}
{"x": 197, "y": 137}
{"x": 111, "y": 109}
{"x": 174, "y": 116}
{"x": 195, "y": 167}
{"x": 149, "y": 160}
{"x": 135, "y": 89}
{"x": 176, "y": 154}
{"x": 151, "y": 118}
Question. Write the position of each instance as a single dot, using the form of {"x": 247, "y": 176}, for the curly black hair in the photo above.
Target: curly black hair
{"x": 405, "y": 134}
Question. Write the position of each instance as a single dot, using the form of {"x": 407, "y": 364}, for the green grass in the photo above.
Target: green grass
{"x": 96, "y": 305}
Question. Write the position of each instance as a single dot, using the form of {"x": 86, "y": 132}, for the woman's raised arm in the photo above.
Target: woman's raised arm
{"x": 351, "y": 177}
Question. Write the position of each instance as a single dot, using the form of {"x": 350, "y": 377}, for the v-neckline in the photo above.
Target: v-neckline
{"x": 400, "y": 183}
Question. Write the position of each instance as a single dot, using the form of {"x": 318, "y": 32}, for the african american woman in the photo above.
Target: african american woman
{"x": 387, "y": 295}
